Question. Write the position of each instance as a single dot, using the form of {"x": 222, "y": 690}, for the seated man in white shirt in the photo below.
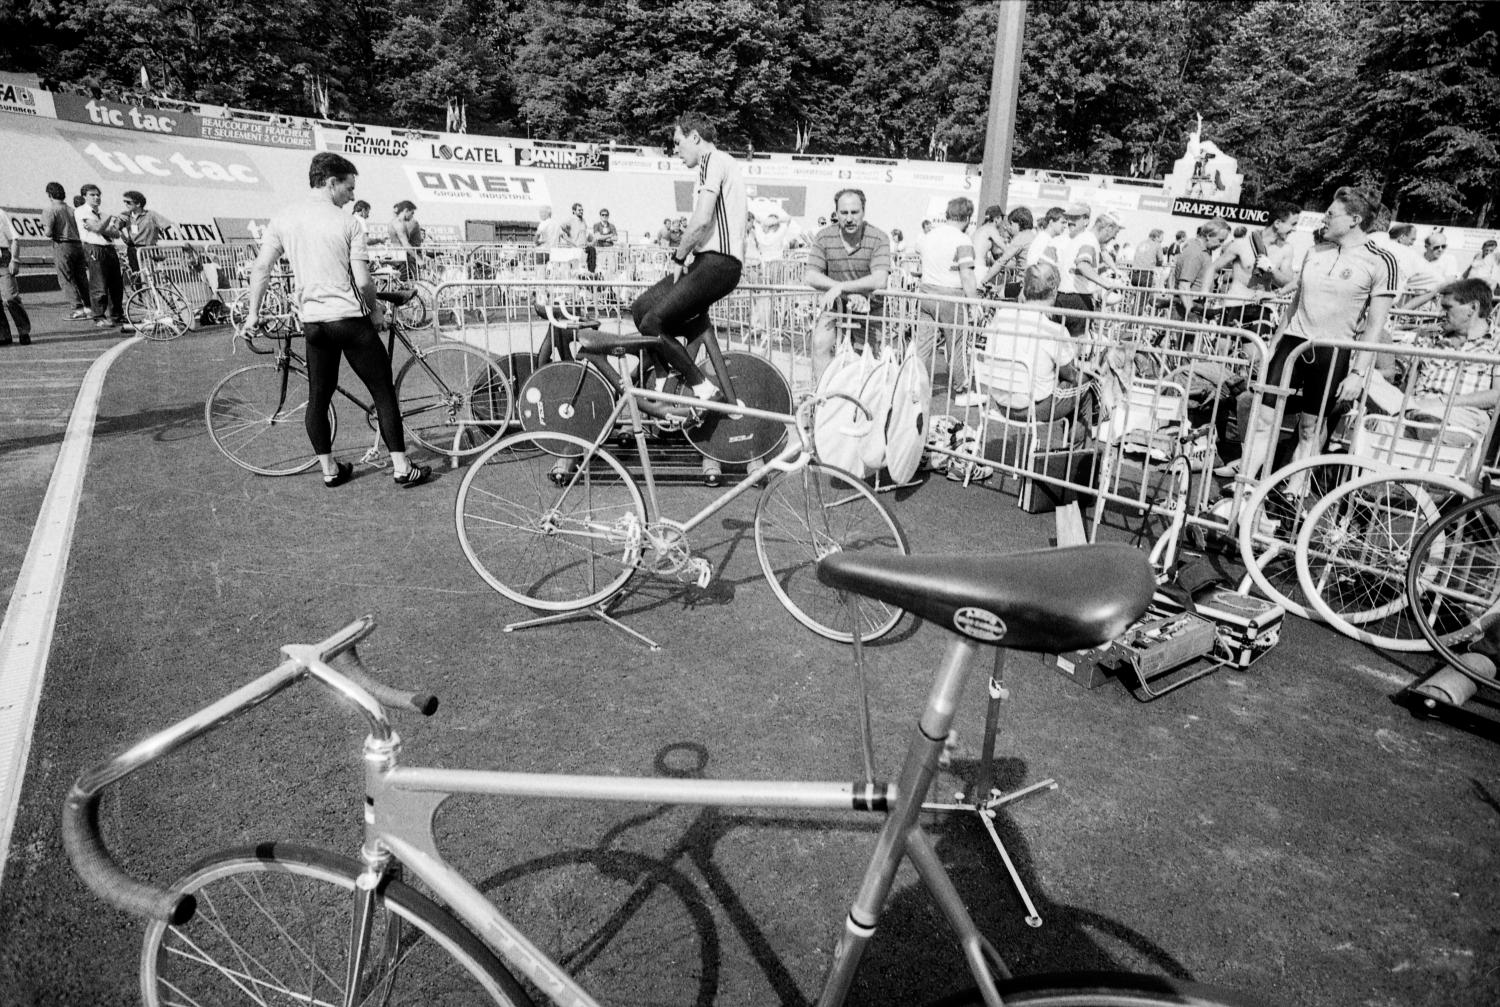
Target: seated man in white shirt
{"x": 1058, "y": 388}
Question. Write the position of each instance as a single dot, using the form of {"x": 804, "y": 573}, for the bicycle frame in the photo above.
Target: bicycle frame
{"x": 404, "y": 802}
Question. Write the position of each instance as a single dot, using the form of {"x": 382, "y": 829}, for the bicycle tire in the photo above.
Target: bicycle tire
{"x": 1453, "y": 579}
{"x": 1268, "y": 533}
{"x": 733, "y": 438}
{"x": 415, "y": 313}
{"x": 454, "y": 399}
{"x": 1354, "y": 549}
{"x": 1102, "y": 989}
{"x": 251, "y": 425}
{"x": 545, "y": 546}
{"x": 159, "y": 314}
{"x": 806, "y": 514}
{"x": 234, "y": 944}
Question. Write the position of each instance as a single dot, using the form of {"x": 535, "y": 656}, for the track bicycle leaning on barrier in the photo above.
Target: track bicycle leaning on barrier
{"x": 454, "y": 401}
{"x": 1453, "y": 584}
{"x": 276, "y": 923}
{"x": 551, "y": 519}
{"x": 154, "y": 305}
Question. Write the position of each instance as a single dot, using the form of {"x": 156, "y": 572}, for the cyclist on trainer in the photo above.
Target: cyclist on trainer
{"x": 706, "y": 261}
{"x": 339, "y": 310}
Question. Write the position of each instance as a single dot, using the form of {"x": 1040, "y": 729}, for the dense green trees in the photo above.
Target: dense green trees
{"x": 1308, "y": 94}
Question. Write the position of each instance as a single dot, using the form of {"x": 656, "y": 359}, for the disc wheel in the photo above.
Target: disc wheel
{"x": 546, "y": 530}
{"x": 734, "y": 438}
{"x": 454, "y": 399}
{"x": 1355, "y": 546}
{"x": 1272, "y": 516}
{"x": 566, "y": 398}
{"x": 807, "y": 514}
{"x": 273, "y": 926}
{"x": 1453, "y": 579}
{"x": 159, "y": 314}
{"x": 256, "y": 418}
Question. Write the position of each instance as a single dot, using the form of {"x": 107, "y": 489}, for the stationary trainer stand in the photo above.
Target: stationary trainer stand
{"x": 984, "y": 799}
{"x": 600, "y": 612}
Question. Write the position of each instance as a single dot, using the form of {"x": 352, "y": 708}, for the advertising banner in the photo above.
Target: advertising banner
{"x": 466, "y": 151}
{"x": 366, "y": 140}
{"x": 139, "y": 162}
{"x": 266, "y": 134}
{"x": 1232, "y": 212}
{"x": 577, "y": 160}
{"x": 643, "y": 163}
{"x": 790, "y": 199}
{"x": 492, "y": 187}
{"x": 242, "y": 228}
{"x": 26, "y": 223}
{"x": 101, "y": 112}
{"x": 23, "y": 100}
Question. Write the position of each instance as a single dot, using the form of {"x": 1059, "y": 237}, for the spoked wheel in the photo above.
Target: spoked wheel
{"x": 256, "y": 418}
{"x": 454, "y": 400}
{"x": 803, "y": 516}
{"x": 1453, "y": 580}
{"x": 273, "y": 926}
{"x": 1272, "y": 516}
{"x": 273, "y": 309}
{"x": 1354, "y": 548}
{"x": 547, "y": 530}
{"x": 159, "y": 314}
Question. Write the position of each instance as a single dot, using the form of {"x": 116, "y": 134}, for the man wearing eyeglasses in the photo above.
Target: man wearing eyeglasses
{"x": 605, "y": 232}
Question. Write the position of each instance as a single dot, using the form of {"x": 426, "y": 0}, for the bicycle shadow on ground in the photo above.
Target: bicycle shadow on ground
{"x": 174, "y": 424}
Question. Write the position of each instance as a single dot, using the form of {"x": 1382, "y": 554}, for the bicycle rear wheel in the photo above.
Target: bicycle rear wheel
{"x": 1354, "y": 548}
{"x": 803, "y": 516}
{"x": 1453, "y": 579}
{"x": 1273, "y": 514}
{"x": 550, "y": 522}
{"x": 1102, "y": 989}
{"x": 159, "y": 314}
{"x": 273, "y": 928}
{"x": 454, "y": 399}
{"x": 255, "y": 417}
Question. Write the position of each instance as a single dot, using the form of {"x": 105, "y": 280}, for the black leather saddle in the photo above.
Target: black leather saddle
{"x": 397, "y": 297}
{"x": 595, "y": 341}
{"x": 1049, "y": 600}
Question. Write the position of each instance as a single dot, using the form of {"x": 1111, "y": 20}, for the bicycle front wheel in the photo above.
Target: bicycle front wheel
{"x": 159, "y": 314}
{"x": 803, "y": 516}
{"x": 1453, "y": 579}
{"x": 273, "y": 927}
{"x": 454, "y": 399}
{"x": 550, "y": 522}
{"x": 1354, "y": 548}
{"x": 255, "y": 417}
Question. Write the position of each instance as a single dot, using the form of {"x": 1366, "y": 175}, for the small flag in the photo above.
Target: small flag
{"x": 145, "y": 80}
{"x": 463, "y": 117}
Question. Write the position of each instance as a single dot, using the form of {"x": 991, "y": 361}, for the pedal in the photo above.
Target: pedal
{"x": 372, "y": 457}
{"x": 699, "y": 569}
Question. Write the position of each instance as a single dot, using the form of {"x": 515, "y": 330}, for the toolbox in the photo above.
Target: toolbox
{"x": 1169, "y": 647}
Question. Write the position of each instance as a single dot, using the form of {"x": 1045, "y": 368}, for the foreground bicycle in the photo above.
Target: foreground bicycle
{"x": 282, "y": 924}
{"x": 453, "y": 398}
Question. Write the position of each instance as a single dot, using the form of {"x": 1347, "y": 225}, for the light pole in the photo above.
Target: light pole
{"x": 1000, "y": 129}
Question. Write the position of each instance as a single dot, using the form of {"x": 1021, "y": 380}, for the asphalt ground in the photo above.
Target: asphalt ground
{"x": 1290, "y": 831}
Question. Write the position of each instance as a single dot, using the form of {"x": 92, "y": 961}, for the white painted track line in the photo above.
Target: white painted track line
{"x": 26, "y": 633}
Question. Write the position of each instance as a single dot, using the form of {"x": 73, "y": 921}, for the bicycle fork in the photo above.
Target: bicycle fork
{"x": 902, "y": 836}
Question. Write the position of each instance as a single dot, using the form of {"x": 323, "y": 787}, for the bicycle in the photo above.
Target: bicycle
{"x": 453, "y": 399}
{"x": 1453, "y": 582}
{"x": 155, "y": 306}
{"x": 552, "y": 520}
{"x": 289, "y": 924}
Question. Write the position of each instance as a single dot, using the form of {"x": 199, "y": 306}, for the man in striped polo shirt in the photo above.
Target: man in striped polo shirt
{"x": 707, "y": 259}
{"x": 847, "y": 257}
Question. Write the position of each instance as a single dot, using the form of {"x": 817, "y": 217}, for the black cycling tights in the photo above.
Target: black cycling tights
{"x": 355, "y": 339}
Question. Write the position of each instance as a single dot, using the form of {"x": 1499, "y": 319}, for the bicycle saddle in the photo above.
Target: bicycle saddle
{"x": 1049, "y": 600}
{"x": 594, "y": 341}
{"x": 397, "y": 297}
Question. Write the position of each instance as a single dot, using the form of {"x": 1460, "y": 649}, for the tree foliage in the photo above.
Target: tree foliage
{"x": 1308, "y": 94}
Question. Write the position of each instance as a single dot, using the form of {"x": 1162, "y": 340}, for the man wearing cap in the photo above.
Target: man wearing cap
{"x": 947, "y": 257}
{"x": 1078, "y": 238}
{"x": 1089, "y": 282}
{"x": 847, "y": 258}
